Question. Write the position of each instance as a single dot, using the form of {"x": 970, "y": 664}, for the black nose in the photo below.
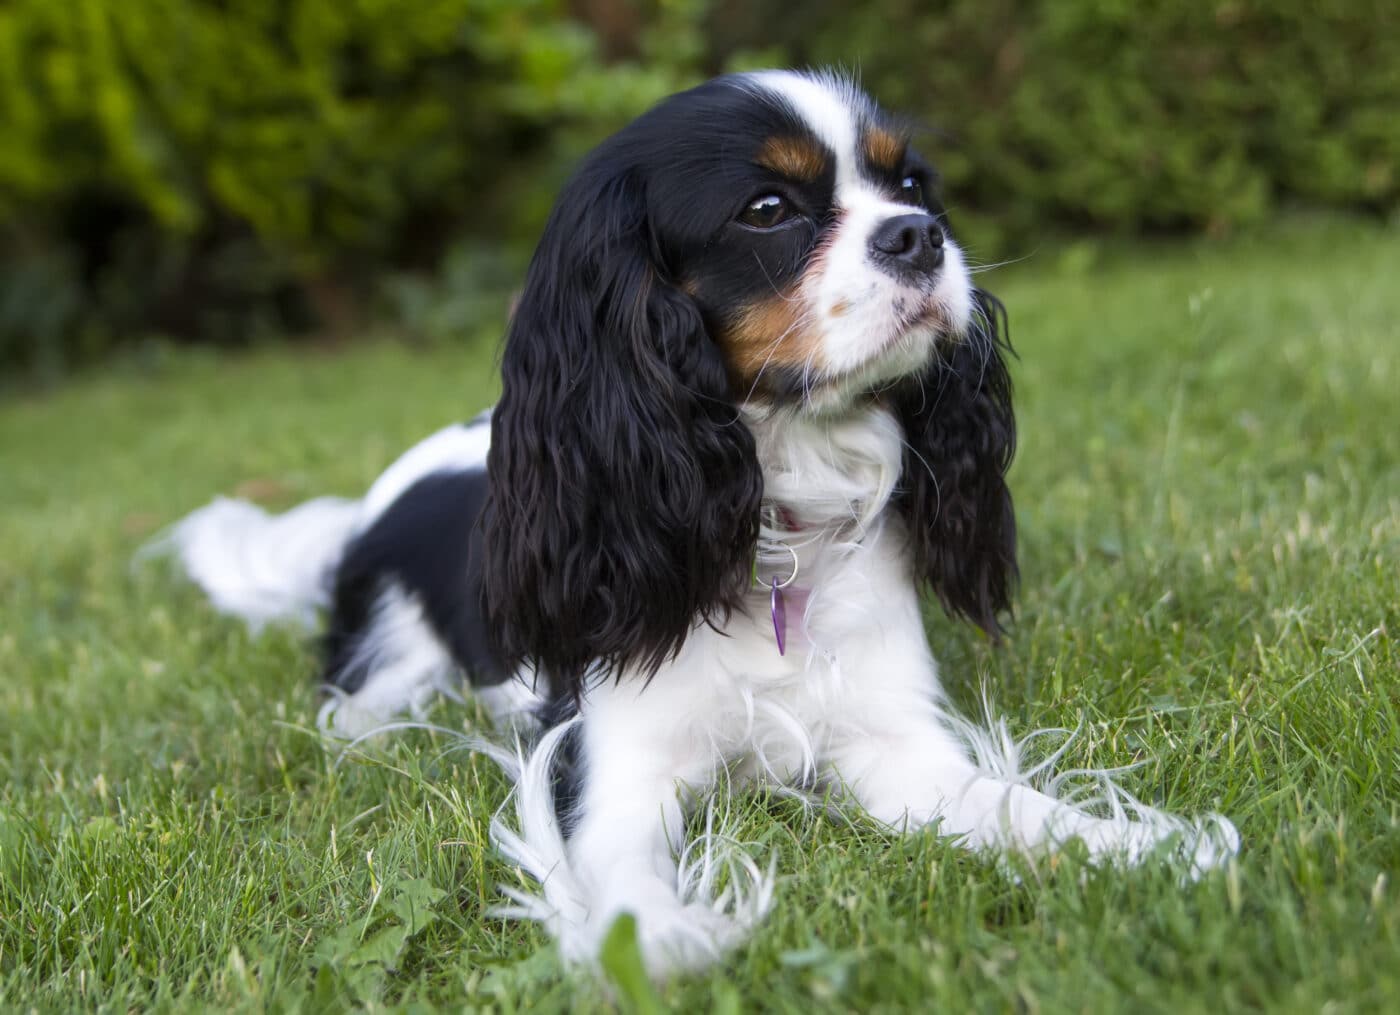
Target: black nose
{"x": 909, "y": 242}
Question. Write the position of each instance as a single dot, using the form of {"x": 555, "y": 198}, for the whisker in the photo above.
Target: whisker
{"x": 974, "y": 266}
{"x": 807, "y": 376}
{"x": 937, "y": 490}
{"x": 802, "y": 320}
{"x": 771, "y": 284}
{"x": 977, "y": 269}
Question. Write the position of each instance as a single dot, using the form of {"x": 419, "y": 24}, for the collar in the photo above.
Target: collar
{"x": 779, "y": 517}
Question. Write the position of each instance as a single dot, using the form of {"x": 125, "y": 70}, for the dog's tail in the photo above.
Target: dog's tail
{"x": 260, "y": 567}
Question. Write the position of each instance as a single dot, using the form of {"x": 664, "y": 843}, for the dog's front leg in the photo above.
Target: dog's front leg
{"x": 913, "y": 772}
{"x": 897, "y": 750}
{"x": 646, "y": 753}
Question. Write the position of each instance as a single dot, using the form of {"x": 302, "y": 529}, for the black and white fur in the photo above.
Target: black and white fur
{"x": 585, "y": 553}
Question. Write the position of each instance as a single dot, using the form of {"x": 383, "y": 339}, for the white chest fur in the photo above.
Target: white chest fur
{"x": 746, "y": 704}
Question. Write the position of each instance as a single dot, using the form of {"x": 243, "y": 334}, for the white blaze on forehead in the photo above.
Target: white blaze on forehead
{"x": 859, "y": 307}
{"x": 835, "y": 110}
{"x": 832, "y": 109}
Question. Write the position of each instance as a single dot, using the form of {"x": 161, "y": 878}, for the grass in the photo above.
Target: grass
{"x": 1209, "y": 494}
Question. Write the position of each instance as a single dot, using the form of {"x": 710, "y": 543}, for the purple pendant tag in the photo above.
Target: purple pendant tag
{"x": 778, "y": 607}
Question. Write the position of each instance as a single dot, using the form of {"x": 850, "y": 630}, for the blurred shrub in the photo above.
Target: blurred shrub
{"x": 223, "y": 169}
{"x": 220, "y": 168}
{"x": 1113, "y": 114}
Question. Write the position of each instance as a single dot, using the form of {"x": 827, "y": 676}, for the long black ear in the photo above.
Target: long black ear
{"x": 961, "y": 434}
{"x": 624, "y": 489}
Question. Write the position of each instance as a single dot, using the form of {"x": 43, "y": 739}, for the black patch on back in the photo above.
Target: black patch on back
{"x": 428, "y": 543}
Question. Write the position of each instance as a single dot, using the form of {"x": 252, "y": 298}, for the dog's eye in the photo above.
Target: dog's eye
{"x": 911, "y": 190}
{"x": 766, "y": 212}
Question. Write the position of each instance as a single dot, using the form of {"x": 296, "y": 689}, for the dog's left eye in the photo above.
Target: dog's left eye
{"x": 911, "y": 190}
{"x": 766, "y": 212}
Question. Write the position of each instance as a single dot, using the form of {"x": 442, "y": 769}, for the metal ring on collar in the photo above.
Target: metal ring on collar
{"x": 786, "y": 581}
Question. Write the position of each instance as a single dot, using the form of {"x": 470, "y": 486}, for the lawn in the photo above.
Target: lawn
{"x": 1209, "y": 497}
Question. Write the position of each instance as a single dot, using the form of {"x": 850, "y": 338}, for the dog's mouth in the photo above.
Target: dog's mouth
{"x": 916, "y": 319}
{"x": 907, "y": 351}
{"x": 931, "y": 315}
{"x": 903, "y": 333}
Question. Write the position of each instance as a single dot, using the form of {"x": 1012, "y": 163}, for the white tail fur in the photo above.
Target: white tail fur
{"x": 267, "y": 568}
{"x": 260, "y": 567}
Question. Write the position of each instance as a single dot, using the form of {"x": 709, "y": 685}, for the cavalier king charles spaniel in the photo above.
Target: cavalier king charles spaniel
{"x": 752, "y": 408}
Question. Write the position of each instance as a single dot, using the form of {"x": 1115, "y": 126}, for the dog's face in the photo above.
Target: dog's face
{"x": 761, "y": 246}
{"x": 802, "y": 222}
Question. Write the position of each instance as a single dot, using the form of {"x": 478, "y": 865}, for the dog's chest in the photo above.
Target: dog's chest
{"x": 774, "y": 711}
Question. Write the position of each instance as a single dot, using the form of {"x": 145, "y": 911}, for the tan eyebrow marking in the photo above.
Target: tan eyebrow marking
{"x": 797, "y": 158}
{"x": 884, "y": 148}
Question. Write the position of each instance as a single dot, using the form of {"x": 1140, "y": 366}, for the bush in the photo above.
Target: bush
{"x": 1110, "y": 114}
{"x": 217, "y": 170}
{"x": 214, "y": 169}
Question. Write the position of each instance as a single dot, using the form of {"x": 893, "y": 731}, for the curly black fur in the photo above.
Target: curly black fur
{"x": 625, "y": 492}
{"x": 961, "y": 433}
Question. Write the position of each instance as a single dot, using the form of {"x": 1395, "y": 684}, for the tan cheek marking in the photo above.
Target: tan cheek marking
{"x": 840, "y": 308}
{"x": 796, "y": 158}
{"x": 884, "y": 149}
{"x": 771, "y": 333}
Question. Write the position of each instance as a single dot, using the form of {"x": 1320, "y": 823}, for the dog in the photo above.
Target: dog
{"x": 753, "y": 407}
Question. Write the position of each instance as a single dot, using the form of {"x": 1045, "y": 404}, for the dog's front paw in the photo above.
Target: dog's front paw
{"x": 687, "y": 926}
{"x": 686, "y": 936}
{"x": 1199, "y": 845}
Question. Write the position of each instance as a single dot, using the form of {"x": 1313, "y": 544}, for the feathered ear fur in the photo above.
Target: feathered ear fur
{"x": 624, "y": 489}
{"x": 961, "y": 435}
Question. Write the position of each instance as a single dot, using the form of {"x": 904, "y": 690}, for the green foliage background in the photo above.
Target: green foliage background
{"x": 221, "y": 170}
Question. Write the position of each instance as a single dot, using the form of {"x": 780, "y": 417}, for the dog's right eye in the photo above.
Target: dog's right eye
{"x": 766, "y": 212}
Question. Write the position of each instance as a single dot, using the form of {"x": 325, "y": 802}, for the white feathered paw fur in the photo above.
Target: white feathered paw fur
{"x": 1120, "y": 829}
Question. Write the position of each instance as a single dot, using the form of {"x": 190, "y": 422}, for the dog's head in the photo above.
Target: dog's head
{"x": 771, "y": 241}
